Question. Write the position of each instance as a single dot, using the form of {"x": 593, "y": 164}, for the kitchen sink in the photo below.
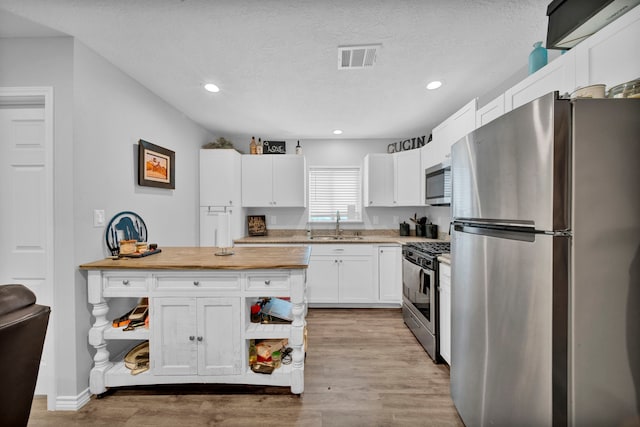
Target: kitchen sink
{"x": 335, "y": 238}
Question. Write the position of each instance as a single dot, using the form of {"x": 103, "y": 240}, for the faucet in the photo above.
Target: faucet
{"x": 337, "y": 223}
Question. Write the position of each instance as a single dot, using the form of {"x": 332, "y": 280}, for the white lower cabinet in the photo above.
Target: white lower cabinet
{"x": 445, "y": 312}
{"x": 390, "y": 273}
{"x": 196, "y": 336}
{"x": 354, "y": 275}
{"x": 341, "y": 274}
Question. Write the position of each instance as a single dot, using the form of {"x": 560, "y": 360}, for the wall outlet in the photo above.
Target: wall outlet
{"x": 272, "y": 220}
{"x": 376, "y": 220}
{"x": 98, "y": 218}
{"x": 396, "y": 219}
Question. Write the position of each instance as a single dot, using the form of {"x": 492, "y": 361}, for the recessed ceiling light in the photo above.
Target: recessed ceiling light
{"x": 434, "y": 85}
{"x": 337, "y": 132}
{"x": 211, "y": 87}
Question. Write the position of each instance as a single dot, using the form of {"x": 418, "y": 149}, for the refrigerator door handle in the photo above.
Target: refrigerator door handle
{"x": 520, "y": 234}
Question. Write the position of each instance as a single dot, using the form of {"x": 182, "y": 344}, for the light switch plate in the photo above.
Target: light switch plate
{"x": 98, "y": 218}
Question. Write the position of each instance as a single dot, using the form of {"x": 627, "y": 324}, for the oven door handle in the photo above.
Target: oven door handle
{"x": 426, "y": 278}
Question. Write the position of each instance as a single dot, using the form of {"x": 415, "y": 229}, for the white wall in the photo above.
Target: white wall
{"x": 336, "y": 152}
{"x": 100, "y": 114}
{"x": 49, "y": 62}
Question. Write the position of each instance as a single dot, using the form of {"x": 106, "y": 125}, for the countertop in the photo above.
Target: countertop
{"x": 196, "y": 258}
{"x": 326, "y": 237}
{"x": 445, "y": 258}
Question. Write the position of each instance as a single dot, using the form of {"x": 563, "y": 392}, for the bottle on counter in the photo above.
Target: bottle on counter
{"x": 298, "y": 148}
{"x": 252, "y": 146}
{"x": 259, "y": 146}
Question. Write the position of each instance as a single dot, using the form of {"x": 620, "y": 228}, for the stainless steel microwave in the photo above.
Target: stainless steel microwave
{"x": 438, "y": 185}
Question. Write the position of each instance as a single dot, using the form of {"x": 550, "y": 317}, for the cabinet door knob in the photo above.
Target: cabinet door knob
{"x": 230, "y": 202}
{"x": 267, "y": 282}
{"x": 191, "y": 338}
{"x": 335, "y": 260}
{"x": 199, "y": 338}
{"x": 125, "y": 282}
{"x": 196, "y": 283}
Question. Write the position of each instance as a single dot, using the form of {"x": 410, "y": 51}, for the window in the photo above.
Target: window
{"x": 335, "y": 189}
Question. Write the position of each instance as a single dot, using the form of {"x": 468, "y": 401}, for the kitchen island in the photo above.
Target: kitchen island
{"x": 199, "y": 315}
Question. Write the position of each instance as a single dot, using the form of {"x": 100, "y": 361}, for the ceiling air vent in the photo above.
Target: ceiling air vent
{"x": 356, "y": 57}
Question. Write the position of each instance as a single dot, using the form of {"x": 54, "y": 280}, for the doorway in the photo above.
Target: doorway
{"x": 26, "y": 206}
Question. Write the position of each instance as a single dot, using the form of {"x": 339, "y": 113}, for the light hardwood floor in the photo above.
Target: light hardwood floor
{"x": 363, "y": 368}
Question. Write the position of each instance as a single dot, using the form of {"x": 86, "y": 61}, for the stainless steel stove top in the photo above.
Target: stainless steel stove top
{"x": 431, "y": 248}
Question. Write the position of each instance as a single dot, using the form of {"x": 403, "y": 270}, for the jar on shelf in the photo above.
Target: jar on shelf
{"x": 256, "y": 315}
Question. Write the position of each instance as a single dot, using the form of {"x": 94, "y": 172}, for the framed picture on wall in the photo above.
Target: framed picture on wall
{"x": 156, "y": 166}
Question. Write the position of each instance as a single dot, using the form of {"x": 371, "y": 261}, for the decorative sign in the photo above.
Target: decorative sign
{"x": 257, "y": 225}
{"x": 407, "y": 144}
{"x": 274, "y": 147}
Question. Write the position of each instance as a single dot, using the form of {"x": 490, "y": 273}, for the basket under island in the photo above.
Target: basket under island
{"x": 199, "y": 315}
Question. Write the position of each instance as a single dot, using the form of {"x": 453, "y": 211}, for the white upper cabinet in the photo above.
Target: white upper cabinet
{"x": 448, "y": 132}
{"x": 392, "y": 179}
{"x": 273, "y": 181}
{"x": 220, "y": 177}
{"x": 606, "y": 57}
{"x": 378, "y": 180}
{"x": 610, "y": 56}
{"x": 492, "y": 110}
{"x": 558, "y": 75}
{"x": 408, "y": 176}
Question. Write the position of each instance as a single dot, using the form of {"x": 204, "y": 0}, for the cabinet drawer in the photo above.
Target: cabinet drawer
{"x": 337, "y": 250}
{"x": 124, "y": 284}
{"x": 267, "y": 281}
{"x": 183, "y": 282}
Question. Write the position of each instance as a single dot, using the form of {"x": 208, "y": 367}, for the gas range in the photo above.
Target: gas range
{"x": 420, "y": 308}
{"x": 425, "y": 254}
{"x": 430, "y": 248}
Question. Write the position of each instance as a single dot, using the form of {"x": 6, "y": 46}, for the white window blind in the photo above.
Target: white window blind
{"x": 332, "y": 190}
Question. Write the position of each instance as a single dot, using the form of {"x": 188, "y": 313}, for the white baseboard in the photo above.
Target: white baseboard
{"x": 73, "y": 403}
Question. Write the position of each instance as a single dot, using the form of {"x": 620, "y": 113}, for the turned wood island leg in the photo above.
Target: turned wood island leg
{"x": 96, "y": 334}
{"x": 299, "y": 310}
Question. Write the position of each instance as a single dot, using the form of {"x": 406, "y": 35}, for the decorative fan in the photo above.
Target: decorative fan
{"x": 126, "y": 225}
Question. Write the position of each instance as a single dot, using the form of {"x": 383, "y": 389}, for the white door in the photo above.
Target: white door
{"x": 25, "y": 217}
{"x": 174, "y": 336}
{"x": 289, "y": 181}
{"x": 356, "y": 279}
{"x": 219, "y": 351}
{"x": 257, "y": 180}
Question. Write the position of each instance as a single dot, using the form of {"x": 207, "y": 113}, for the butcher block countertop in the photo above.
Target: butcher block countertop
{"x": 197, "y": 258}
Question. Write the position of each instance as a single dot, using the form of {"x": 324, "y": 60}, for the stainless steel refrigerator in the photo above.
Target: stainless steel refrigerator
{"x": 546, "y": 266}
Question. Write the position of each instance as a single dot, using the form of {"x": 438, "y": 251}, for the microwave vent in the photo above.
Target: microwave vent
{"x": 357, "y": 57}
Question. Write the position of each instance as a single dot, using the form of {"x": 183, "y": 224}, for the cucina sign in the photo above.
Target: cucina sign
{"x": 407, "y": 144}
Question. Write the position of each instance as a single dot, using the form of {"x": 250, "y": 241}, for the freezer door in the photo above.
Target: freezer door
{"x": 514, "y": 170}
{"x": 503, "y": 354}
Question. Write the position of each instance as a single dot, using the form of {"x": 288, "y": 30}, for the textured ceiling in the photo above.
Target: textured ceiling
{"x": 276, "y": 61}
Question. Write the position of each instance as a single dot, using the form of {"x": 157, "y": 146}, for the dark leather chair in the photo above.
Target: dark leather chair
{"x": 23, "y": 325}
